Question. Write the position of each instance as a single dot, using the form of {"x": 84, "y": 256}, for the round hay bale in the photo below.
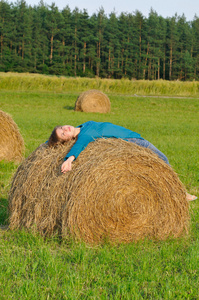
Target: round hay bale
{"x": 93, "y": 101}
{"x": 116, "y": 190}
{"x": 11, "y": 141}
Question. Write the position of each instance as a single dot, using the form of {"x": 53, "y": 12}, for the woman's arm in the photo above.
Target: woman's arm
{"x": 67, "y": 165}
{"x": 79, "y": 146}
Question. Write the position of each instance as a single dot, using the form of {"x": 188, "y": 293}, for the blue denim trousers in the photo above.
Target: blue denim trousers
{"x": 146, "y": 144}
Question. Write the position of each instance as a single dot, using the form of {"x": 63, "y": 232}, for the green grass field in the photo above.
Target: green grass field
{"x": 34, "y": 268}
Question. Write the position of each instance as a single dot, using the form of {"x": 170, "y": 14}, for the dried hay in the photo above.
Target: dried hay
{"x": 116, "y": 190}
{"x": 39, "y": 190}
{"x": 11, "y": 141}
{"x": 93, "y": 101}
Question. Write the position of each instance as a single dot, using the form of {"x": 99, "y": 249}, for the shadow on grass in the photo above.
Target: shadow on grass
{"x": 68, "y": 107}
{"x": 3, "y": 211}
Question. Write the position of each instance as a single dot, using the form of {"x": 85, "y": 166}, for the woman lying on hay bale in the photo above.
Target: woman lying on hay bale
{"x": 90, "y": 131}
{"x": 116, "y": 190}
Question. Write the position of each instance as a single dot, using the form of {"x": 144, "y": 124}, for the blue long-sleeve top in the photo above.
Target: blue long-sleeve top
{"x": 91, "y": 131}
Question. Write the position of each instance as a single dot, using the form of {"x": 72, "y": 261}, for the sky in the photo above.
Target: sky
{"x": 164, "y": 8}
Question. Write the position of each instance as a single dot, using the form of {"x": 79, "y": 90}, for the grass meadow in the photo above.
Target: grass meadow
{"x": 32, "y": 267}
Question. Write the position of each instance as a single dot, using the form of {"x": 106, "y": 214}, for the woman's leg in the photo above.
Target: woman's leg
{"x": 146, "y": 144}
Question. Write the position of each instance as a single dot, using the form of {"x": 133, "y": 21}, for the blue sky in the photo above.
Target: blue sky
{"x": 164, "y": 8}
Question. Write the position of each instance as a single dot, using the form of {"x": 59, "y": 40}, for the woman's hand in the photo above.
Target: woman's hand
{"x": 67, "y": 165}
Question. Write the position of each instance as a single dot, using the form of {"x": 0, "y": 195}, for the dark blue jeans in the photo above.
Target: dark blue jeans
{"x": 146, "y": 144}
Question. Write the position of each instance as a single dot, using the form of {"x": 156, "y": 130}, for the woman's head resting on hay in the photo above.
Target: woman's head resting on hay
{"x": 62, "y": 134}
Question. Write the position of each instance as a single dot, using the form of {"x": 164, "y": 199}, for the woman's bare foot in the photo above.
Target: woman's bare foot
{"x": 191, "y": 197}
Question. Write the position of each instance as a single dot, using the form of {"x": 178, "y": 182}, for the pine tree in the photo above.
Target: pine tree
{"x": 66, "y": 33}
{"x": 172, "y": 42}
{"x": 20, "y": 37}
{"x": 5, "y": 53}
{"x": 100, "y": 28}
{"x": 52, "y": 29}
{"x": 39, "y": 39}
{"x": 111, "y": 35}
{"x": 91, "y": 47}
{"x": 195, "y": 47}
{"x": 84, "y": 39}
{"x": 184, "y": 63}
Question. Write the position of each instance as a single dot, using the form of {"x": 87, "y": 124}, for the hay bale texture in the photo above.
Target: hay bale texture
{"x": 11, "y": 141}
{"x": 116, "y": 190}
{"x": 93, "y": 101}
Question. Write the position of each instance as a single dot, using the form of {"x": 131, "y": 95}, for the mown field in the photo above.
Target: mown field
{"x": 36, "y": 268}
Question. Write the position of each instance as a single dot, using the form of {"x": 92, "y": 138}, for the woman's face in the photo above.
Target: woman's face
{"x": 65, "y": 133}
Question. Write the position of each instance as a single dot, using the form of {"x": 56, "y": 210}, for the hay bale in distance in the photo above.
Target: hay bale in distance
{"x": 116, "y": 190}
{"x": 11, "y": 141}
{"x": 93, "y": 101}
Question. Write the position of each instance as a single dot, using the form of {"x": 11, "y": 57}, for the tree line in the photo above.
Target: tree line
{"x": 43, "y": 39}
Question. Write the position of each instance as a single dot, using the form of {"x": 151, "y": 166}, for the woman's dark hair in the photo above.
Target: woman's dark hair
{"x": 53, "y": 139}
